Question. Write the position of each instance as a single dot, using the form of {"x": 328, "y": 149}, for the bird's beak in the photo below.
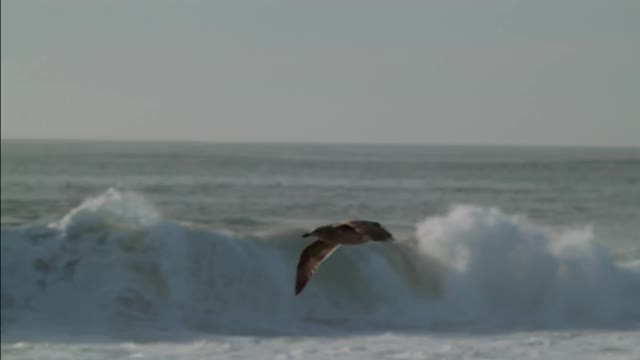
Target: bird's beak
{"x": 306, "y": 235}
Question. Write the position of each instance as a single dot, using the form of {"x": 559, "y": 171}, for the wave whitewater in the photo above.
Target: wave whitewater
{"x": 115, "y": 264}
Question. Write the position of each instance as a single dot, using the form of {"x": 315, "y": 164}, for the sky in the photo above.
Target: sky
{"x": 548, "y": 72}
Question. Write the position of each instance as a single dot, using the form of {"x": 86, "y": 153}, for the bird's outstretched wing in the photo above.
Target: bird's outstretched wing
{"x": 312, "y": 256}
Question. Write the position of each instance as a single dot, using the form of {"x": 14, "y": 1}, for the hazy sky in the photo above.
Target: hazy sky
{"x": 489, "y": 72}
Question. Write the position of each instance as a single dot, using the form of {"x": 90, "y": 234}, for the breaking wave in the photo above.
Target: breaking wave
{"x": 115, "y": 265}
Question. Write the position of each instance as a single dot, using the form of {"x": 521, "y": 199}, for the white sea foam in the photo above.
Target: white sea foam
{"x": 504, "y": 268}
{"x": 114, "y": 265}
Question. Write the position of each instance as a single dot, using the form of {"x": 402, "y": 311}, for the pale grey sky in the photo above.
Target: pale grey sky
{"x": 482, "y": 72}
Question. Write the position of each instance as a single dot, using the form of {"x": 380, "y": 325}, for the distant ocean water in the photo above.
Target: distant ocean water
{"x": 188, "y": 250}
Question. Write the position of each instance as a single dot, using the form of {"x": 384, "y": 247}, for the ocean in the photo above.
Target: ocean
{"x": 168, "y": 250}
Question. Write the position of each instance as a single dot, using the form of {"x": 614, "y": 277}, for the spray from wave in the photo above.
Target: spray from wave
{"x": 115, "y": 264}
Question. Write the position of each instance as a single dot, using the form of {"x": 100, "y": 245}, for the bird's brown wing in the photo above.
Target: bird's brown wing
{"x": 373, "y": 230}
{"x": 312, "y": 256}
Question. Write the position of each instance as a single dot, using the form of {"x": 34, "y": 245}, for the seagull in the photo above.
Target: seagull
{"x": 329, "y": 238}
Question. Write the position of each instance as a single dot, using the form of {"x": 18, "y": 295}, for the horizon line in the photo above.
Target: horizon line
{"x": 327, "y": 143}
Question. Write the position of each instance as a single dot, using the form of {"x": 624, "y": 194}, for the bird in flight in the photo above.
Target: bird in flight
{"x": 329, "y": 237}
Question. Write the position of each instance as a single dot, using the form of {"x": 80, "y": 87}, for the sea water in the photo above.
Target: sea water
{"x": 188, "y": 250}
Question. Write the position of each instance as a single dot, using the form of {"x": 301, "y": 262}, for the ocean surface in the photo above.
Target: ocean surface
{"x": 125, "y": 250}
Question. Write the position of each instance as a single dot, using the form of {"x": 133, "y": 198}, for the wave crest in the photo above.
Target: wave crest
{"x": 114, "y": 264}
{"x": 503, "y": 267}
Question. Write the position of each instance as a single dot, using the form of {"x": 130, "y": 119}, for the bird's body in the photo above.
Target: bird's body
{"x": 329, "y": 238}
